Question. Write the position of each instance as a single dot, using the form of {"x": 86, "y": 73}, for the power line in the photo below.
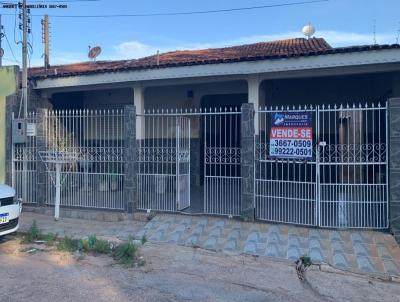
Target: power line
{"x": 47, "y": 1}
{"x": 10, "y": 60}
{"x": 9, "y": 46}
{"x": 212, "y": 11}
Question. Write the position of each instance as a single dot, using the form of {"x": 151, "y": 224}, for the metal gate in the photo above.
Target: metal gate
{"x": 353, "y": 167}
{"x": 96, "y": 179}
{"x": 222, "y": 178}
{"x": 163, "y": 161}
{"x": 24, "y": 165}
{"x": 345, "y": 184}
{"x": 285, "y": 190}
{"x": 96, "y": 137}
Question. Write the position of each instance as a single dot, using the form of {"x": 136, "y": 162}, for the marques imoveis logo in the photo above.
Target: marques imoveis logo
{"x": 279, "y": 119}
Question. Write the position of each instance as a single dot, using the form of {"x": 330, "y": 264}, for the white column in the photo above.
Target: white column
{"x": 253, "y": 84}
{"x": 138, "y": 98}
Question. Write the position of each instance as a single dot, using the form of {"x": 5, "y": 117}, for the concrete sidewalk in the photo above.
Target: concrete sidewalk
{"x": 354, "y": 250}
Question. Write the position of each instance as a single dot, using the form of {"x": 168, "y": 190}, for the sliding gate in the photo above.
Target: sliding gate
{"x": 344, "y": 183}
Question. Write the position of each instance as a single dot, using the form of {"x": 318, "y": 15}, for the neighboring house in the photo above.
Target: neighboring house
{"x": 204, "y": 154}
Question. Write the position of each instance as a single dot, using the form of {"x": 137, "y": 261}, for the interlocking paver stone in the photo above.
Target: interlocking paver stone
{"x": 365, "y": 264}
{"x": 293, "y": 252}
{"x": 383, "y": 252}
{"x": 316, "y": 251}
{"x": 391, "y": 267}
{"x": 359, "y": 250}
{"x": 339, "y": 259}
{"x": 231, "y": 245}
{"x": 211, "y": 243}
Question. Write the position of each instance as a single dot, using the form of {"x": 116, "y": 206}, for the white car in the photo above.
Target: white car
{"x": 10, "y": 209}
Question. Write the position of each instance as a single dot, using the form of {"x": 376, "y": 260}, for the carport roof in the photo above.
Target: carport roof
{"x": 298, "y": 47}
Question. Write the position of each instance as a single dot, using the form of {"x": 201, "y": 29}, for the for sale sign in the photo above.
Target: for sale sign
{"x": 291, "y": 135}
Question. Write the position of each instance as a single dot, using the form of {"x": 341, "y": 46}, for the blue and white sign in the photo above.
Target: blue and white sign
{"x": 291, "y": 135}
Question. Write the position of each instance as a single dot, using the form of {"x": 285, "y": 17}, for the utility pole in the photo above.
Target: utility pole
{"x": 24, "y": 87}
{"x": 1, "y": 38}
{"x": 46, "y": 41}
{"x": 25, "y": 58}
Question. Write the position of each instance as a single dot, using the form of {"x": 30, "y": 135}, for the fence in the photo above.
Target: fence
{"x": 192, "y": 159}
{"x": 222, "y": 177}
{"x": 168, "y": 138}
{"x": 353, "y": 182}
{"x": 163, "y": 161}
{"x": 24, "y": 166}
{"x": 96, "y": 137}
{"x": 343, "y": 184}
{"x": 285, "y": 190}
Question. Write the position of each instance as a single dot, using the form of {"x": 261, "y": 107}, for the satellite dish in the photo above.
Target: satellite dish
{"x": 308, "y": 30}
{"x": 94, "y": 52}
{"x": 1, "y": 52}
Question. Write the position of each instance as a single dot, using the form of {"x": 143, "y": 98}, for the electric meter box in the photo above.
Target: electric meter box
{"x": 19, "y": 131}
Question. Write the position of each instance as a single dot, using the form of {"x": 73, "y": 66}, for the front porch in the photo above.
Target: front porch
{"x": 214, "y": 125}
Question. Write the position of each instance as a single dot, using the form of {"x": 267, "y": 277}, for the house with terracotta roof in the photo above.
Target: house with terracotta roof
{"x": 191, "y": 131}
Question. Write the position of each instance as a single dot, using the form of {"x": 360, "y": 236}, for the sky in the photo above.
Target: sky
{"x": 340, "y": 22}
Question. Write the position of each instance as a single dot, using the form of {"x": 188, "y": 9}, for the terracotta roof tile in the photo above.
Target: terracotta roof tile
{"x": 250, "y": 52}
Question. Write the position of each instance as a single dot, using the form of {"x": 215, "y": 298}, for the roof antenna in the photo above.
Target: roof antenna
{"x": 398, "y": 34}
{"x": 374, "y": 30}
{"x": 308, "y": 30}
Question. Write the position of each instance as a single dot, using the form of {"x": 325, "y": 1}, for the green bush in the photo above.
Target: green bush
{"x": 126, "y": 253}
{"x": 90, "y": 245}
{"x": 49, "y": 238}
{"x": 69, "y": 244}
{"x": 33, "y": 234}
{"x": 306, "y": 260}
{"x": 98, "y": 246}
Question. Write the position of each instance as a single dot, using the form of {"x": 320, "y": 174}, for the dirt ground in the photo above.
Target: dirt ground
{"x": 175, "y": 273}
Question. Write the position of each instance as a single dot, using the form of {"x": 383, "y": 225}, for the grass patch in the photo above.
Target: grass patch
{"x": 35, "y": 234}
{"x": 95, "y": 246}
{"x": 49, "y": 239}
{"x": 68, "y": 244}
{"x": 127, "y": 254}
{"x": 90, "y": 245}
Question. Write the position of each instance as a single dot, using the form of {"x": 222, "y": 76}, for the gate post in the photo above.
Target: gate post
{"x": 393, "y": 150}
{"x": 40, "y": 166}
{"x": 130, "y": 165}
{"x": 247, "y": 161}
